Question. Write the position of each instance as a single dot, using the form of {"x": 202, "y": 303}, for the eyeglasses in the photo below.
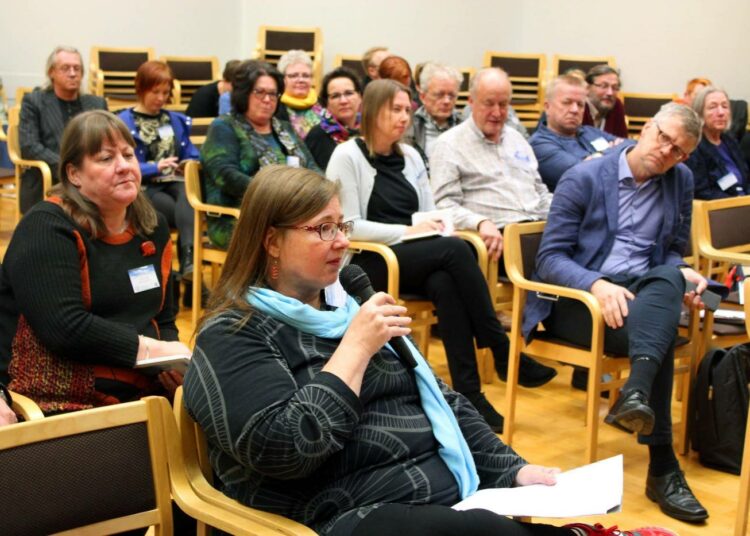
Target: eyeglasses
{"x": 604, "y": 86}
{"x": 67, "y": 68}
{"x": 349, "y": 93}
{"x": 303, "y": 76}
{"x": 443, "y": 94}
{"x": 261, "y": 94}
{"x": 327, "y": 231}
{"x": 665, "y": 140}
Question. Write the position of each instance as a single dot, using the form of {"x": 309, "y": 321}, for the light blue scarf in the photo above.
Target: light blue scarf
{"x": 332, "y": 325}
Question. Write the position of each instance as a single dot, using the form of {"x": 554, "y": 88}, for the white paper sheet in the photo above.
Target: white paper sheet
{"x": 593, "y": 489}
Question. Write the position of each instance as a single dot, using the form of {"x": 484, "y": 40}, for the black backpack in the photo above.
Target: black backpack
{"x": 720, "y": 400}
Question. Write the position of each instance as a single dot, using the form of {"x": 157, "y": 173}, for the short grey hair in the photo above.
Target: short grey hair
{"x": 481, "y": 73}
{"x": 569, "y": 79}
{"x": 688, "y": 118}
{"x": 434, "y": 70}
{"x": 699, "y": 101}
{"x": 52, "y": 58}
{"x": 294, "y": 57}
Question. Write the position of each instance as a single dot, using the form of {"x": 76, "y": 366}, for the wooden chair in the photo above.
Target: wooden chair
{"x": 353, "y": 63}
{"x": 740, "y": 524}
{"x": 191, "y": 73}
{"x": 275, "y": 41}
{"x": 520, "y": 249}
{"x": 14, "y": 152}
{"x": 25, "y": 407}
{"x": 526, "y": 73}
{"x": 194, "y": 453}
{"x": 463, "y": 90}
{"x": 641, "y": 107}
{"x": 561, "y": 63}
{"x": 199, "y": 129}
{"x": 8, "y": 175}
{"x": 203, "y": 252}
{"x": 112, "y": 73}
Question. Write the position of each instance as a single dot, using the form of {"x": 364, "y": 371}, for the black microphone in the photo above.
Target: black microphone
{"x": 357, "y": 284}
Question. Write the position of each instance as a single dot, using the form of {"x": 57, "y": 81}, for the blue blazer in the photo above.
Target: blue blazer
{"x": 181, "y": 127}
{"x": 708, "y": 167}
{"x": 582, "y": 226}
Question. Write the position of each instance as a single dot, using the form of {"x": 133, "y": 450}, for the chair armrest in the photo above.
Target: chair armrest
{"x": 25, "y": 407}
{"x": 723, "y": 255}
{"x": 389, "y": 258}
{"x": 42, "y": 166}
{"x": 475, "y": 241}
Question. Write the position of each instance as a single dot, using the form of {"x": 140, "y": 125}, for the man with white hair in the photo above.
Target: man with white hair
{"x": 439, "y": 85}
{"x": 486, "y": 173}
{"x": 44, "y": 114}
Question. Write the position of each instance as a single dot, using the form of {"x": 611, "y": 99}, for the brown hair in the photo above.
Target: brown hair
{"x": 378, "y": 95}
{"x": 395, "y": 68}
{"x": 84, "y": 136}
{"x": 278, "y": 196}
{"x": 150, "y": 74}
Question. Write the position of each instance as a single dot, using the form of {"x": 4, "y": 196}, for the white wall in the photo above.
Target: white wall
{"x": 658, "y": 44}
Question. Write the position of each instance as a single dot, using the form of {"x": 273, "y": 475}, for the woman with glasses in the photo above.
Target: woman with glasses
{"x": 299, "y": 102}
{"x": 383, "y": 183}
{"x": 341, "y": 96}
{"x": 308, "y": 414}
{"x": 719, "y": 168}
{"x": 250, "y": 137}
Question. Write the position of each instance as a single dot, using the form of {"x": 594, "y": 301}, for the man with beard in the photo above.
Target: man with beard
{"x": 604, "y": 110}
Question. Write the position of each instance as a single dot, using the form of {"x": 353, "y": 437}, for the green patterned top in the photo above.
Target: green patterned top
{"x": 233, "y": 153}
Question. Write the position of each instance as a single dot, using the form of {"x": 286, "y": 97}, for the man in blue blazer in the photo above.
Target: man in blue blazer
{"x": 618, "y": 227}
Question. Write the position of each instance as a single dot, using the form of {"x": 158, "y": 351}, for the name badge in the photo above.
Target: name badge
{"x": 727, "y": 181}
{"x": 600, "y": 144}
{"x": 166, "y": 132}
{"x": 521, "y": 156}
{"x": 292, "y": 161}
{"x": 143, "y": 278}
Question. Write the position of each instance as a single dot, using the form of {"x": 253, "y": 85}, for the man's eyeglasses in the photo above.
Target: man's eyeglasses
{"x": 261, "y": 94}
{"x": 665, "y": 140}
{"x": 443, "y": 94}
{"x": 303, "y": 76}
{"x": 349, "y": 93}
{"x": 68, "y": 68}
{"x": 327, "y": 231}
{"x": 603, "y": 86}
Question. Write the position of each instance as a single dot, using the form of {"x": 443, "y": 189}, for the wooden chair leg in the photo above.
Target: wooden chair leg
{"x": 740, "y": 524}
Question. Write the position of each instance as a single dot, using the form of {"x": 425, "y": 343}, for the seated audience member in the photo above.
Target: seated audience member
{"x": 564, "y": 141}
{"x": 384, "y": 182}
{"x": 484, "y": 170}
{"x": 369, "y": 446}
{"x": 398, "y": 69}
{"x": 604, "y": 109}
{"x": 440, "y": 85}
{"x": 618, "y": 228}
{"x": 694, "y": 85}
{"x": 205, "y": 102}
{"x": 341, "y": 96}
{"x": 299, "y": 103}
{"x": 85, "y": 292}
{"x": 719, "y": 169}
{"x": 162, "y": 144}
{"x": 7, "y": 415}
{"x": 44, "y": 114}
{"x": 371, "y": 63}
{"x": 239, "y": 144}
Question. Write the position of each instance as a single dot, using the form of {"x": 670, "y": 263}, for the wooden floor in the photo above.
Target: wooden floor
{"x": 550, "y": 431}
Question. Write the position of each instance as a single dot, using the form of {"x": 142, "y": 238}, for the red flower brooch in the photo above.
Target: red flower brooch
{"x": 148, "y": 249}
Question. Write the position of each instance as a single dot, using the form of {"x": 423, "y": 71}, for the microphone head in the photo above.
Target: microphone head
{"x": 354, "y": 280}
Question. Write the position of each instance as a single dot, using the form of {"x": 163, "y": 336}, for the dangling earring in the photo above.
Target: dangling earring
{"x": 274, "y": 268}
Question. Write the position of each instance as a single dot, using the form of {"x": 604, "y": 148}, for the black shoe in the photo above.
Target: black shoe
{"x": 186, "y": 263}
{"x": 580, "y": 380}
{"x": 675, "y": 497}
{"x": 485, "y": 409}
{"x": 632, "y": 413}
{"x": 530, "y": 373}
{"x": 187, "y": 298}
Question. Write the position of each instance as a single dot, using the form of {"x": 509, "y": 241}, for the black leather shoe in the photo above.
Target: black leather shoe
{"x": 632, "y": 413}
{"x": 580, "y": 380}
{"x": 186, "y": 263}
{"x": 531, "y": 373}
{"x": 675, "y": 498}
{"x": 485, "y": 409}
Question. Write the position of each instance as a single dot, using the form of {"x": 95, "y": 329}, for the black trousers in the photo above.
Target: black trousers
{"x": 170, "y": 200}
{"x": 649, "y": 330}
{"x": 436, "y": 520}
{"x": 445, "y": 270}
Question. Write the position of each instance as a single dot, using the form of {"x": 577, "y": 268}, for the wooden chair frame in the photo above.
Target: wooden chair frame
{"x": 344, "y": 60}
{"x": 117, "y": 86}
{"x": 593, "y": 358}
{"x": 188, "y": 86}
{"x": 25, "y": 407}
{"x": 637, "y": 121}
{"x": 740, "y": 523}
{"x": 528, "y": 91}
{"x": 271, "y": 55}
{"x": 586, "y": 61}
{"x": 202, "y": 123}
